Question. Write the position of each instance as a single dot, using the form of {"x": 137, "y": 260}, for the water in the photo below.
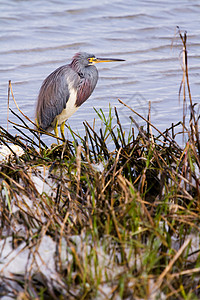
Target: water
{"x": 36, "y": 37}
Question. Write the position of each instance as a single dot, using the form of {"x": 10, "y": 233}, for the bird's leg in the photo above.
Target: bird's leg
{"x": 62, "y": 129}
{"x": 56, "y": 131}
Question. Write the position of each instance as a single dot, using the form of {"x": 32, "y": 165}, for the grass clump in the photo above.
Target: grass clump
{"x": 86, "y": 220}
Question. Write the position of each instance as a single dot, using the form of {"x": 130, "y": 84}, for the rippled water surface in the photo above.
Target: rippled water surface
{"x": 36, "y": 37}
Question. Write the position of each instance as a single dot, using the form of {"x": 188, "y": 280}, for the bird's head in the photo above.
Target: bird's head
{"x": 85, "y": 59}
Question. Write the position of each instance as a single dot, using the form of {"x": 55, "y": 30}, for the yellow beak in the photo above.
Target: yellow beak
{"x": 94, "y": 60}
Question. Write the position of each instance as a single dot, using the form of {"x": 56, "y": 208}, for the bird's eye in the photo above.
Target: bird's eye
{"x": 91, "y": 59}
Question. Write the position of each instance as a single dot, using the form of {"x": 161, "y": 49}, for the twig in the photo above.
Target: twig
{"x": 169, "y": 266}
{"x": 169, "y": 140}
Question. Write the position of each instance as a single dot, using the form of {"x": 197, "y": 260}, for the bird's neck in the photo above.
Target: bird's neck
{"x": 75, "y": 65}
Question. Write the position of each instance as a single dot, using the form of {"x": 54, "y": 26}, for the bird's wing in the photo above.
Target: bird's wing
{"x": 53, "y": 96}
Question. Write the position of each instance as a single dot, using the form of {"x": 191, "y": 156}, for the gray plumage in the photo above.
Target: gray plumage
{"x": 76, "y": 80}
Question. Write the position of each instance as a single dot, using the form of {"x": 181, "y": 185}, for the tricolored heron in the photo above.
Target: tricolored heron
{"x": 65, "y": 89}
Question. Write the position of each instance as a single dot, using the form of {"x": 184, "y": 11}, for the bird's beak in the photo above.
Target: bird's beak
{"x": 94, "y": 60}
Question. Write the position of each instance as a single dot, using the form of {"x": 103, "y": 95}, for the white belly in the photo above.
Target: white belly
{"x": 69, "y": 110}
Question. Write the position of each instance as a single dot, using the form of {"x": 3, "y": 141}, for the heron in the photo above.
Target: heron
{"x": 65, "y": 90}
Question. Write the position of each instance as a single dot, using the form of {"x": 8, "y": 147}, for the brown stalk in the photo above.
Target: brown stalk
{"x": 160, "y": 279}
